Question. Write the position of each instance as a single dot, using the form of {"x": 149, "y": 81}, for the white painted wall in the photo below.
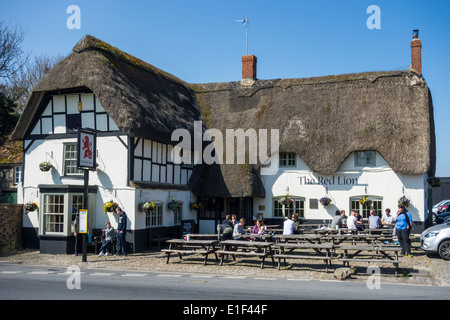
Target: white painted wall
{"x": 379, "y": 181}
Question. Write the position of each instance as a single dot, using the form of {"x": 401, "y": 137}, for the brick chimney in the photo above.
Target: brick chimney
{"x": 416, "y": 53}
{"x": 248, "y": 69}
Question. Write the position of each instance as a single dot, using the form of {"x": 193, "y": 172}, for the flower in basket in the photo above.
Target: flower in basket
{"x": 434, "y": 182}
{"x": 110, "y": 206}
{"x": 175, "y": 204}
{"x": 31, "y": 206}
{"x": 196, "y": 205}
{"x": 45, "y": 166}
{"x": 404, "y": 202}
{"x": 286, "y": 201}
{"x": 365, "y": 201}
{"x": 148, "y": 207}
{"x": 325, "y": 201}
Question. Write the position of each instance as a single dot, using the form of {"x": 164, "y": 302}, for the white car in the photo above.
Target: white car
{"x": 437, "y": 239}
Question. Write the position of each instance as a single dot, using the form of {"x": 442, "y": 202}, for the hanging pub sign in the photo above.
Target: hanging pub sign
{"x": 86, "y": 149}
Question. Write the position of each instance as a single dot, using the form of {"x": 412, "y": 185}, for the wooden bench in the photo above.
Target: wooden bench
{"x": 320, "y": 252}
{"x": 180, "y": 246}
{"x": 372, "y": 252}
{"x": 246, "y": 248}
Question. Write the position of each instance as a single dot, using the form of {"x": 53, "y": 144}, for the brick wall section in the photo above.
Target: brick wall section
{"x": 416, "y": 55}
{"x": 249, "y": 67}
{"x": 10, "y": 227}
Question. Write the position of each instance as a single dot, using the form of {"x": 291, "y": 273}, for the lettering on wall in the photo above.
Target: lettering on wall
{"x": 328, "y": 181}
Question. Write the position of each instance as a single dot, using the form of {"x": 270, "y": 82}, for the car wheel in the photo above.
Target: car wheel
{"x": 444, "y": 250}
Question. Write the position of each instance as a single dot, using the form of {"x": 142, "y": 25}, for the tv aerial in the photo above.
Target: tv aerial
{"x": 245, "y": 23}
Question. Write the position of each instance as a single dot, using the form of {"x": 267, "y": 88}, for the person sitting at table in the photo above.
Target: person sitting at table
{"x": 289, "y": 225}
{"x": 351, "y": 222}
{"x": 262, "y": 230}
{"x": 374, "y": 220}
{"x": 336, "y": 222}
{"x": 359, "y": 221}
{"x": 387, "y": 218}
{"x": 343, "y": 219}
{"x": 257, "y": 226}
{"x": 296, "y": 224}
{"x": 233, "y": 221}
{"x": 239, "y": 229}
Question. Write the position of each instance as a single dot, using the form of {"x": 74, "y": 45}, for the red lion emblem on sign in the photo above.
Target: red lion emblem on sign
{"x": 87, "y": 147}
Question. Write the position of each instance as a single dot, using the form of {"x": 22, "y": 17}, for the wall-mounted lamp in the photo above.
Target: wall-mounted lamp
{"x": 80, "y": 106}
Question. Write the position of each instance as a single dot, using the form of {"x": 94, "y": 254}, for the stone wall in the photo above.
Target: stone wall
{"x": 10, "y": 227}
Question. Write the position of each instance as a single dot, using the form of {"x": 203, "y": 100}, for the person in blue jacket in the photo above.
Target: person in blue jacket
{"x": 403, "y": 228}
{"x": 121, "y": 232}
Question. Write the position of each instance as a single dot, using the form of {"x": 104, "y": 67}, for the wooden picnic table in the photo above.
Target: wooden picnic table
{"x": 275, "y": 230}
{"x": 180, "y": 246}
{"x": 204, "y": 236}
{"x": 354, "y": 238}
{"x": 378, "y": 231}
{"x": 253, "y": 236}
{"x": 290, "y": 251}
{"x": 311, "y": 238}
{"x": 246, "y": 248}
{"x": 373, "y": 253}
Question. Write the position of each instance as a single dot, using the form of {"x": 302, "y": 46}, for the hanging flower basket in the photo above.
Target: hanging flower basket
{"x": 434, "y": 182}
{"x": 146, "y": 207}
{"x": 110, "y": 206}
{"x": 31, "y": 206}
{"x": 404, "y": 202}
{"x": 325, "y": 201}
{"x": 45, "y": 166}
{"x": 196, "y": 205}
{"x": 285, "y": 201}
{"x": 365, "y": 201}
{"x": 174, "y": 205}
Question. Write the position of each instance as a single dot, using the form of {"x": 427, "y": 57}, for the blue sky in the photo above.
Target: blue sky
{"x": 199, "y": 41}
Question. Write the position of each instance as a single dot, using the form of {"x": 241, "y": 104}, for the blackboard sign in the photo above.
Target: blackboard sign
{"x": 187, "y": 226}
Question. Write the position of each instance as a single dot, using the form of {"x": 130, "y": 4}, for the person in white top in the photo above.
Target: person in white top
{"x": 289, "y": 225}
{"x": 387, "y": 218}
{"x": 351, "y": 221}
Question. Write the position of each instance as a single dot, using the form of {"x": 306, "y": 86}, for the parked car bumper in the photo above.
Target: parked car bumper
{"x": 429, "y": 243}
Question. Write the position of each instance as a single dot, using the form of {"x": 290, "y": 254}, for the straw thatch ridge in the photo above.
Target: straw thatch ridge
{"x": 142, "y": 100}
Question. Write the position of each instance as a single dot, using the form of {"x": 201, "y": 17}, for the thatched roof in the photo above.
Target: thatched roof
{"x": 322, "y": 119}
{"x": 325, "y": 119}
{"x": 142, "y": 100}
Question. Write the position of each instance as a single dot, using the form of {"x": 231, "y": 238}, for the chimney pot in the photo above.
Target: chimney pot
{"x": 416, "y": 53}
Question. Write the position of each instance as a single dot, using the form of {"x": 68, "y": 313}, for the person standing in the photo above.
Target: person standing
{"x": 403, "y": 229}
{"x": 121, "y": 232}
{"x": 78, "y": 240}
{"x": 226, "y": 229}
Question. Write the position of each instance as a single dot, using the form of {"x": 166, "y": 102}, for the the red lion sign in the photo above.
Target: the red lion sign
{"x": 86, "y": 149}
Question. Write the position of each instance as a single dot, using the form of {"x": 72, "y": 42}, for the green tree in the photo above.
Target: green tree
{"x": 8, "y": 113}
